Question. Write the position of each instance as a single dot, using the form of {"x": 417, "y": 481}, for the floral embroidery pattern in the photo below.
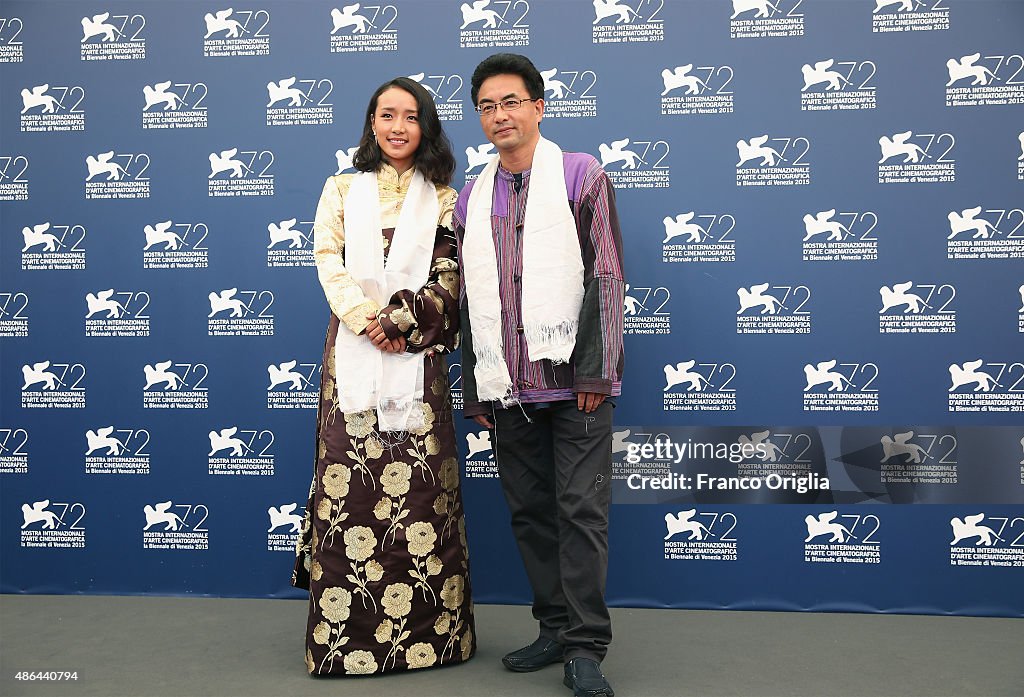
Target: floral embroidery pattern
{"x": 361, "y": 426}
{"x": 382, "y": 545}
{"x": 335, "y": 606}
{"x": 335, "y": 484}
{"x": 434, "y": 298}
{"x": 448, "y": 275}
{"x": 447, "y": 504}
{"x": 450, "y": 624}
{"x": 360, "y": 663}
{"x": 329, "y": 391}
{"x": 421, "y": 538}
{"x": 452, "y": 595}
{"x": 397, "y": 602}
{"x": 451, "y": 592}
{"x": 402, "y": 318}
{"x": 359, "y": 544}
{"x": 395, "y": 483}
{"x": 420, "y": 655}
{"x": 450, "y": 482}
{"x": 426, "y": 446}
{"x": 439, "y": 385}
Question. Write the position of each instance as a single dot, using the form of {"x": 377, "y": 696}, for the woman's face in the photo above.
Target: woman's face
{"x": 397, "y": 126}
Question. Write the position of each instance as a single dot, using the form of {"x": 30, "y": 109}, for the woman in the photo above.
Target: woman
{"x": 383, "y": 550}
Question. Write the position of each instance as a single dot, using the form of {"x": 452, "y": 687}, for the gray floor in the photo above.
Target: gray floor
{"x": 185, "y": 647}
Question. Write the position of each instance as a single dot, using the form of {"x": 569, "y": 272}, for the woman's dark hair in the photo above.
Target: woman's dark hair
{"x": 433, "y": 157}
{"x": 507, "y": 64}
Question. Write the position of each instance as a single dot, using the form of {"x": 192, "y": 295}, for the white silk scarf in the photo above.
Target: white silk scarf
{"x": 552, "y": 279}
{"x": 368, "y": 378}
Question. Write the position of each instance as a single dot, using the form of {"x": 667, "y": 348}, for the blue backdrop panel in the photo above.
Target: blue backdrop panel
{"x": 822, "y": 210}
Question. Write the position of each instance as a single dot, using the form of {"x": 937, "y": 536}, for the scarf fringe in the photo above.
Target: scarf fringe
{"x": 489, "y": 357}
{"x": 552, "y": 341}
{"x": 492, "y": 375}
{"x": 404, "y": 414}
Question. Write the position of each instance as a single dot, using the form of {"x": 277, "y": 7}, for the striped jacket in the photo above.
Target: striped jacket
{"x": 596, "y": 363}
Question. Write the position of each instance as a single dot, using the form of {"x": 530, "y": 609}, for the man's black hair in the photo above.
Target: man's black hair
{"x": 508, "y": 64}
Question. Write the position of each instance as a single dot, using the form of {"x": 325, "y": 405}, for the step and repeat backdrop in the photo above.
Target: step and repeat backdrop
{"x": 823, "y": 213}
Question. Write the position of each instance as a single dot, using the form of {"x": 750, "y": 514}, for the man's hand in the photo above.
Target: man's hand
{"x": 378, "y": 338}
{"x": 483, "y": 421}
{"x": 589, "y": 401}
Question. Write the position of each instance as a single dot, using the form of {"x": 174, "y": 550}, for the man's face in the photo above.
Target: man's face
{"x": 509, "y": 130}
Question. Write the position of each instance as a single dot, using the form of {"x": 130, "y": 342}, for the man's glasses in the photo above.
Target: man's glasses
{"x": 491, "y": 108}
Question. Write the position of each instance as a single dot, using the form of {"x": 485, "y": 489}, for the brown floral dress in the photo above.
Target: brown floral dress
{"x": 383, "y": 546}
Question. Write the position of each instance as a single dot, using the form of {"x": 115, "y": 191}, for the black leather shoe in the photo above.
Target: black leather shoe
{"x": 540, "y": 653}
{"x": 584, "y": 677}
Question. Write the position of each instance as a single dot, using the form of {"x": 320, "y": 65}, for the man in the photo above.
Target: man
{"x": 542, "y": 318}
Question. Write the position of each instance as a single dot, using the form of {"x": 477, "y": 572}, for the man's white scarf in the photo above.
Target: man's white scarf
{"x": 368, "y": 378}
{"x": 552, "y": 279}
